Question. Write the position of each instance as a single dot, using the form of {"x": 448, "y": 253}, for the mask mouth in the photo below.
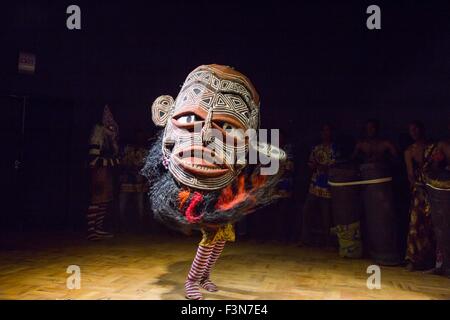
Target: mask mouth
{"x": 200, "y": 161}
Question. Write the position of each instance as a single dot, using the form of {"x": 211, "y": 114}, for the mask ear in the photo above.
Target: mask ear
{"x": 161, "y": 109}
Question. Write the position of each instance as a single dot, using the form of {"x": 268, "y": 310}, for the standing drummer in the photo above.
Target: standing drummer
{"x": 441, "y": 159}
{"x": 376, "y": 153}
{"x": 318, "y": 200}
{"x": 421, "y": 246}
{"x": 372, "y": 148}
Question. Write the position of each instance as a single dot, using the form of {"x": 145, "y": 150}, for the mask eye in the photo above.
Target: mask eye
{"x": 232, "y": 130}
{"x": 187, "y": 119}
{"x": 227, "y": 127}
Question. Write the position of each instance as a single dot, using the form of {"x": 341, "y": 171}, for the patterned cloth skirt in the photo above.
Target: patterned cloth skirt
{"x": 223, "y": 233}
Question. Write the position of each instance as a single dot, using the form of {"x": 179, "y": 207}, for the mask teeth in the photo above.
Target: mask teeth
{"x": 197, "y": 166}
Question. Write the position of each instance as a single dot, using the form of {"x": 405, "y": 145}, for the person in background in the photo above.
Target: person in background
{"x": 318, "y": 203}
{"x": 372, "y": 148}
{"x": 419, "y": 157}
{"x": 444, "y": 151}
{"x": 441, "y": 159}
{"x": 103, "y": 157}
{"x": 133, "y": 186}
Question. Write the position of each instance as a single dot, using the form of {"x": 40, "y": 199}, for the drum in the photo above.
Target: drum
{"x": 381, "y": 225}
{"x": 346, "y": 208}
{"x": 438, "y": 187}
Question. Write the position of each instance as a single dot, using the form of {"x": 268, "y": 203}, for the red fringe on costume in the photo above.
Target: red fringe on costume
{"x": 190, "y": 211}
{"x": 228, "y": 199}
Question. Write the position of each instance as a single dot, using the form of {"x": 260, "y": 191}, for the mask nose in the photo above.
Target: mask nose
{"x": 206, "y": 130}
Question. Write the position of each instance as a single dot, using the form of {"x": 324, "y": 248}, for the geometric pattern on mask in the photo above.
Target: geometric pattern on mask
{"x": 161, "y": 109}
{"x": 223, "y": 151}
{"x": 204, "y": 183}
{"x": 234, "y": 86}
{"x": 225, "y": 85}
{"x": 226, "y": 97}
{"x": 228, "y": 103}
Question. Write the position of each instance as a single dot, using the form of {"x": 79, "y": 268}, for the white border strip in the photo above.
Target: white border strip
{"x": 436, "y": 188}
{"x": 355, "y": 183}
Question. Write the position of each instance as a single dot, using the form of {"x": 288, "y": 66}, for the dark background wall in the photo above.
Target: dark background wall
{"x": 311, "y": 61}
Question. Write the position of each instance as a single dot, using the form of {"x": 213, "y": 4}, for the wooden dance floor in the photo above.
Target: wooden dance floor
{"x": 146, "y": 267}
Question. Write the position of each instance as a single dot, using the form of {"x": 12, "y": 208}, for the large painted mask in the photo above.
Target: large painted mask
{"x": 204, "y": 141}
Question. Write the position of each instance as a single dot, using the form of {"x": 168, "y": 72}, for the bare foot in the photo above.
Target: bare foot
{"x": 437, "y": 271}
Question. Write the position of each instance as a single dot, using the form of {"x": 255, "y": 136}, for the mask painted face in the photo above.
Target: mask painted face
{"x": 204, "y": 127}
